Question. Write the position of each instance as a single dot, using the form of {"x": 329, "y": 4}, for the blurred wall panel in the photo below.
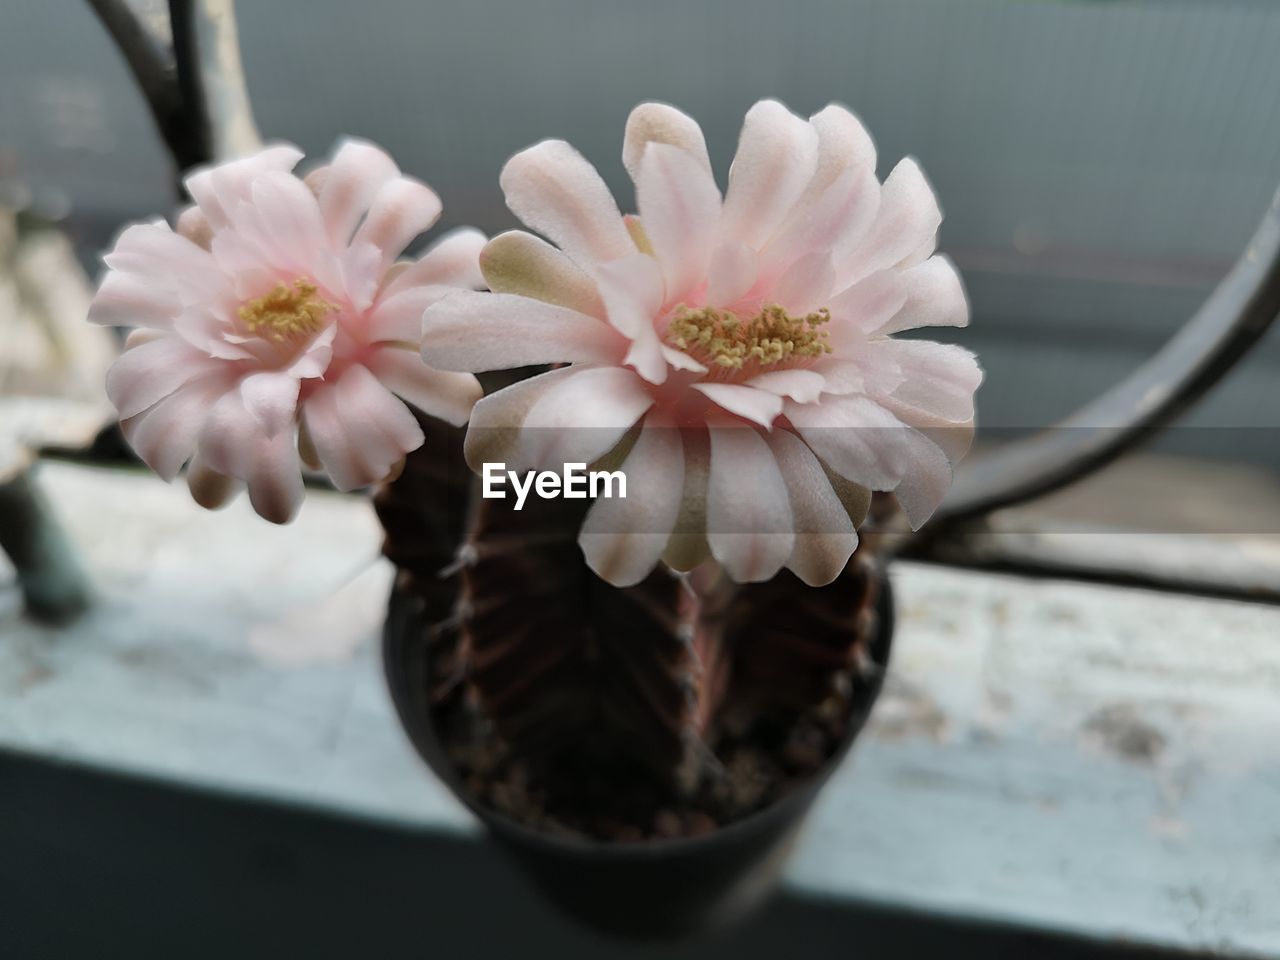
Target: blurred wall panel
{"x": 1100, "y": 163}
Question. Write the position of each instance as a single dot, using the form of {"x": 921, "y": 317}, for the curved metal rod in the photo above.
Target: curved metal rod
{"x": 211, "y": 77}
{"x": 1199, "y": 355}
{"x": 149, "y": 60}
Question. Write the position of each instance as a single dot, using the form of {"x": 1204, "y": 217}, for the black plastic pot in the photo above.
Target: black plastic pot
{"x": 654, "y": 890}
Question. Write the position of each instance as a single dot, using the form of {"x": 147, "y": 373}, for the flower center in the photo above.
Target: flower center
{"x": 770, "y": 337}
{"x": 287, "y": 312}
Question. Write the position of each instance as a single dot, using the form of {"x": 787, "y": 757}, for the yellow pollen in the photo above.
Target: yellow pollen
{"x": 286, "y": 312}
{"x": 768, "y": 338}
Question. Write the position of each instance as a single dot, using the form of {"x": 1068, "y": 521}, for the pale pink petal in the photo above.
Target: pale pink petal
{"x": 494, "y": 331}
{"x": 164, "y": 436}
{"x": 520, "y": 263}
{"x": 856, "y": 437}
{"x": 274, "y": 478}
{"x": 660, "y": 123}
{"x": 925, "y": 482}
{"x": 359, "y": 430}
{"x": 493, "y": 434}
{"x": 905, "y": 227}
{"x": 843, "y": 145}
{"x": 229, "y": 435}
{"x": 218, "y": 189}
{"x": 688, "y": 548}
{"x": 938, "y": 378}
{"x": 681, "y": 360}
{"x": 152, "y": 250}
{"x": 831, "y": 222}
{"x": 150, "y": 371}
{"x": 453, "y": 260}
{"x": 554, "y": 190}
{"x": 632, "y": 290}
{"x": 128, "y": 300}
{"x": 731, "y": 274}
{"x": 839, "y": 376}
{"x": 953, "y": 438}
{"x": 864, "y": 308}
{"x": 402, "y": 209}
{"x": 398, "y": 317}
{"x": 363, "y": 266}
{"x": 679, "y": 206}
{"x": 358, "y": 172}
{"x": 440, "y": 393}
{"x": 288, "y": 219}
{"x": 749, "y": 520}
{"x": 582, "y": 417}
{"x": 209, "y": 488}
{"x": 776, "y": 158}
{"x": 758, "y": 406}
{"x": 623, "y": 538}
{"x": 825, "y": 536}
{"x": 272, "y": 398}
{"x": 806, "y": 285}
{"x": 802, "y": 386}
{"x": 935, "y": 298}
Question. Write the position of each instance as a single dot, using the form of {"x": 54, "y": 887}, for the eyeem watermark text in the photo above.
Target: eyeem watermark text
{"x": 574, "y": 483}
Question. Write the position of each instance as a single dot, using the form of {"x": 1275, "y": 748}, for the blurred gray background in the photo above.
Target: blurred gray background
{"x": 1100, "y": 163}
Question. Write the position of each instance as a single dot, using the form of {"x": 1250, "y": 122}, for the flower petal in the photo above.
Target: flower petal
{"x": 209, "y": 488}
{"x": 758, "y": 406}
{"x": 272, "y": 398}
{"x": 856, "y": 437}
{"x": 623, "y": 538}
{"x": 520, "y": 263}
{"x": 219, "y": 188}
{"x": 440, "y": 393}
{"x": 935, "y": 298}
{"x": 660, "y": 123}
{"x": 493, "y": 434}
{"x": 359, "y": 430}
{"x": 554, "y": 190}
{"x": 582, "y": 417}
{"x": 358, "y": 172}
{"x": 843, "y": 145}
{"x": 731, "y": 274}
{"x": 147, "y": 373}
{"x": 749, "y": 520}
{"x": 802, "y": 386}
{"x": 274, "y": 478}
{"x": 453, "y": 260}
{"x": 127, "y": 300}
{"x": 632, "y": 290}
{"x": 825, "y": 536}
{"x": 398, "y": 318}
{"x": 777, "y": 155}
{"x": 164, "y": 436}
{"x": 403, "y": 208}
{"x": 937, "y": 378}
{"x": 496, "y": 331}
{"x": 905, "y": 227}
{"x": 679, "y": 206}
{"x": 806, "y": 285}
{"x": 688, "y": 545}
{"x": 925, "y": 483}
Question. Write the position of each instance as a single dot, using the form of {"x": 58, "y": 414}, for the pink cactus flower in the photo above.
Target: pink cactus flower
{"x": 276, "y": 328}
{"x": 736, "y": 354}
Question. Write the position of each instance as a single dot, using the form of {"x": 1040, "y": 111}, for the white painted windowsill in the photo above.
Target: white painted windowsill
{"x": 1067, "y": 756}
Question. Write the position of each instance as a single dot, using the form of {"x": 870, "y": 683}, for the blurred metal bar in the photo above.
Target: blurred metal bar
{"x": 1197, "y": 357}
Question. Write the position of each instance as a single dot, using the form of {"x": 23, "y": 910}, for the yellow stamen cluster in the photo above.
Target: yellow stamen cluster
{"x": 286, "y": 312}
{"x": 728, "y": 341}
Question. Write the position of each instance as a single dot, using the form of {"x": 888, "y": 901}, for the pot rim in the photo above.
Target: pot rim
{"x": 421, "y": 732}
